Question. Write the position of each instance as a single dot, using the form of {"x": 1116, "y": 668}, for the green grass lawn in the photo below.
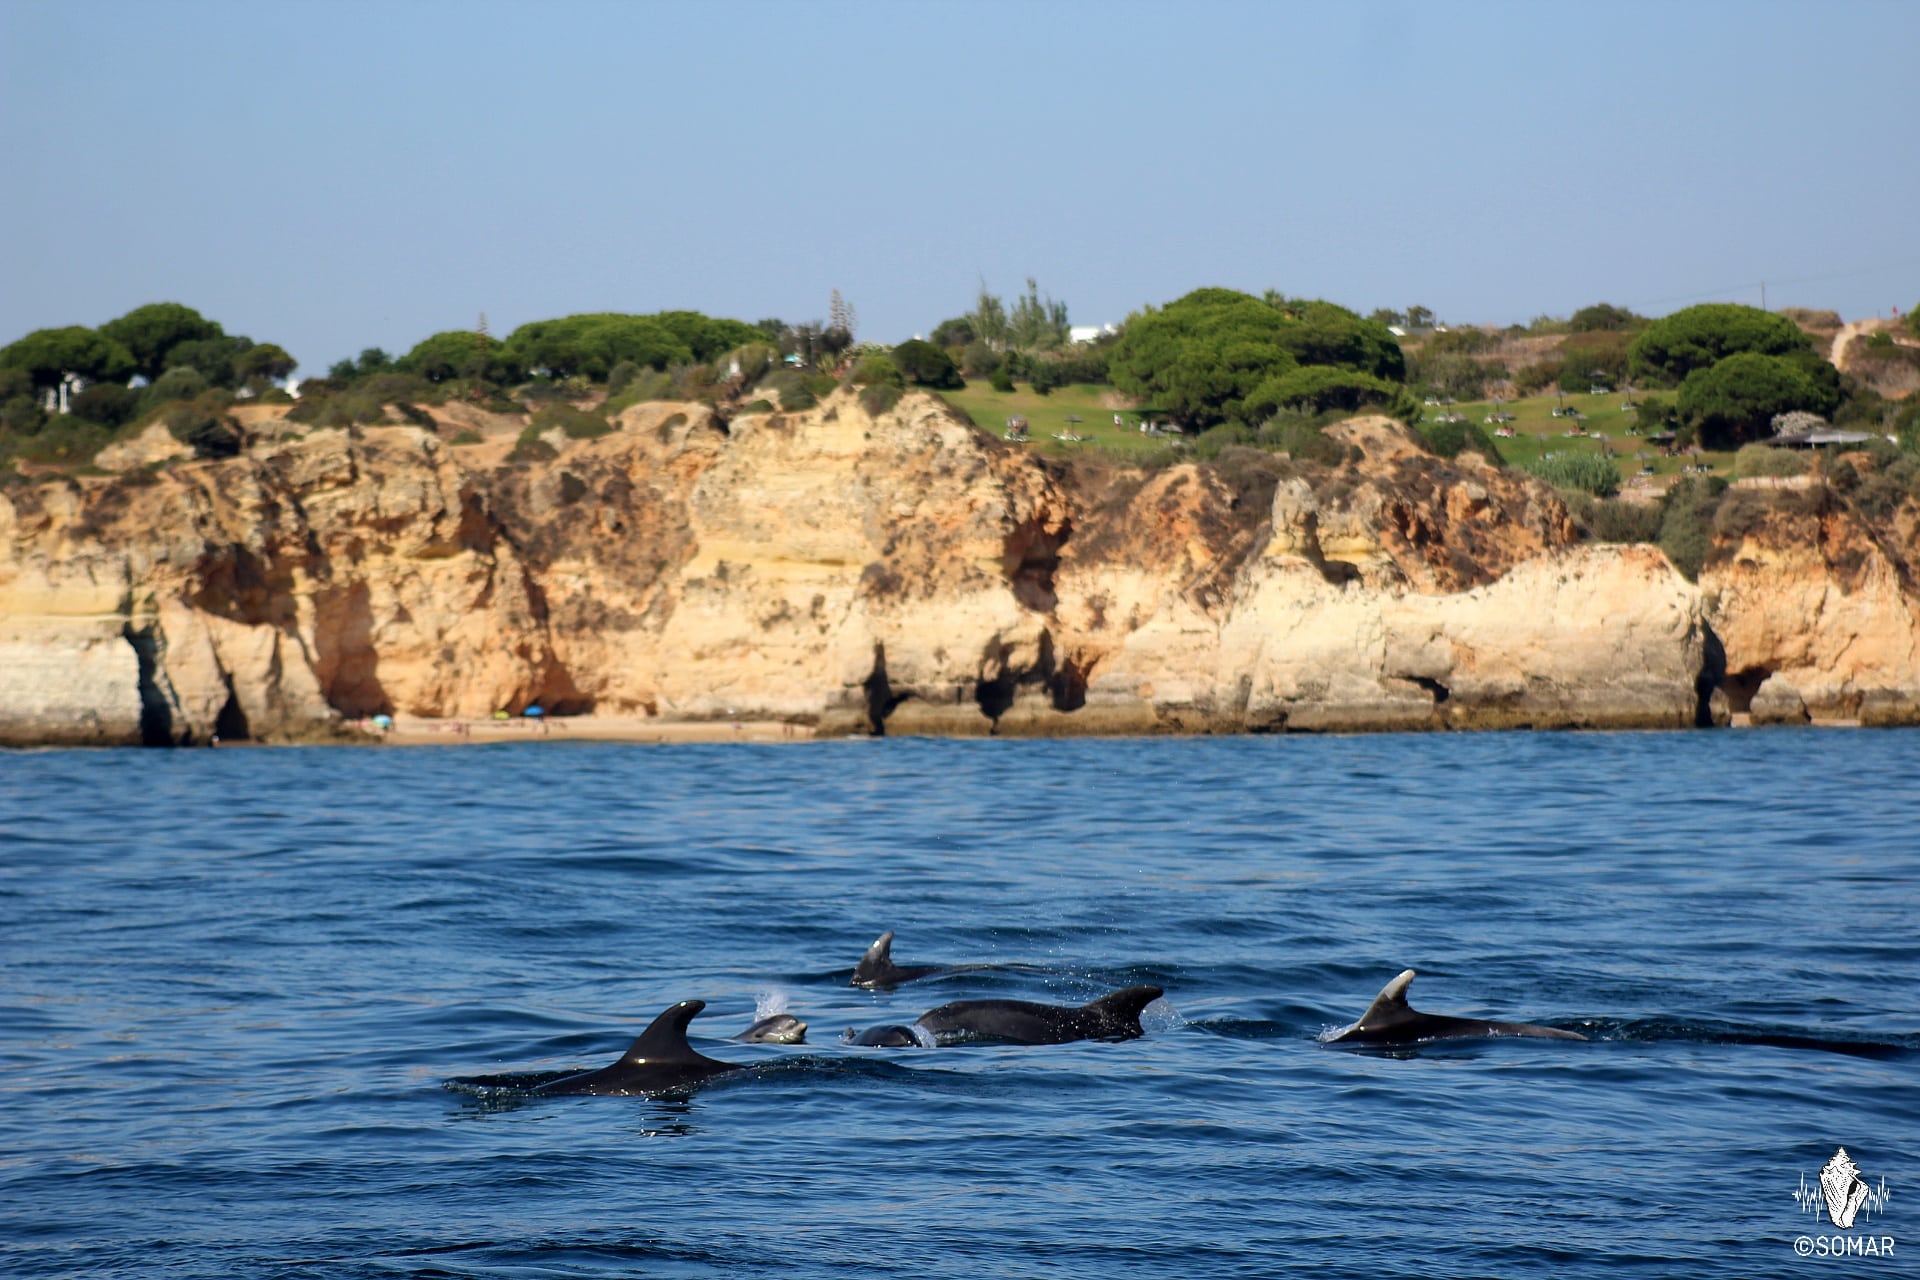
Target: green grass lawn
{"x": 1537, "y": 431}
{"x": 1047, "y": 416}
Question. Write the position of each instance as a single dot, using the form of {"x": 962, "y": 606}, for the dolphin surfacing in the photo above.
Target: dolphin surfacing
{"x": 660, "y": 1061}
{"x": 1113, "y": 1017}
{"x": 777, "y": 1028}
{"x": 1391, "y": 1020}
{"x": 877, "y": 969}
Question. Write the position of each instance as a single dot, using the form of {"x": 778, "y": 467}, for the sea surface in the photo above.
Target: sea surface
{"x": 240, "y": 990}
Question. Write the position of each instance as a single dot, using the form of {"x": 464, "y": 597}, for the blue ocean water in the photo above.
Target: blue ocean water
{"x": 235, "y": 984}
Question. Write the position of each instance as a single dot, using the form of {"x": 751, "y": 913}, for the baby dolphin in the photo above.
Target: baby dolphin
{"x": 777, "y": 1028}
{"x": 660, "y": 1061}
{"x": 877, "y": 969}
{"x": 1391, "y": 1020}
{"x": 1114, "y": 1017}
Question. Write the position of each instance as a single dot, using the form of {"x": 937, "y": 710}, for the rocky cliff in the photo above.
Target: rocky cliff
{"x": 892, "y": 573}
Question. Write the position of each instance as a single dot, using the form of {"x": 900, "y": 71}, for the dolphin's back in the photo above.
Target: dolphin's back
{"x": 1112, "y": 1017}
{"x": 1391, "y": 1020}
{"x": 660, "y": 1059}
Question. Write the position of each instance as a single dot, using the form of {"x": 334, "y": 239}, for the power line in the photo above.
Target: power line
{"x": 1760, "y": 286}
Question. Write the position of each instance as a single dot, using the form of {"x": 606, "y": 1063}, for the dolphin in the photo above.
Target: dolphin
{"x": 877, "y": 969}
{"x": 778, "y": 1028}
{"x": 1391, "y": 1020}
{"x": 892, "y": 1036}
{"x": 1114, "y": 1017}
{"x": 660, "y": 1061}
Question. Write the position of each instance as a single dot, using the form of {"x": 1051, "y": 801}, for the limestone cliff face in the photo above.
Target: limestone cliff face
{"x": 1819, "y": 613}
{"x": 901, "y": 573}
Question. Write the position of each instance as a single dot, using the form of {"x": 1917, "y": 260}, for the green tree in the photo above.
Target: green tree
{"x": 927, "y": 365}
{"x": 1592, "y": 356}
{"x": 1604, "y": 317}
{"x": 1036, "y": 324}
{"x": 1699, "y": 337}
{"x": 1736, "y": 399}
{"x": 107, "y": 403}
{"x": 592, "y": 344}
{"x": 149, "y": 333}
{"x": 1199, "y": 357}
{"x": 215, "y": 358}
{"x": 47, "y": 355}
{"x": 1322, "y": 332}
{"x": 708, "y": 337}
{"x": 957, "y": 332}
{"x": 1912, "y": 321}
{"x": 264, "y": 360}
{"x": 989, "y": 319}
{"x": 1315, "y": 389}
{"x": 456, "y": 353}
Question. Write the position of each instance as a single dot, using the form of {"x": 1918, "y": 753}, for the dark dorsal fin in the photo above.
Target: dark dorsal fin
{"x": 665, "y": 1039}
{"x": 878, "y": 960}
{"x": 1126, "y": 1005}
{"x": 1390, "y": 1005}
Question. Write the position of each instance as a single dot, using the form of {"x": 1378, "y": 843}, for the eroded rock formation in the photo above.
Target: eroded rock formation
{"x": 891, "y": 573}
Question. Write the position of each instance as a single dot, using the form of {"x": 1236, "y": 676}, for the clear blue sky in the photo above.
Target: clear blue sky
{"x": 336, "y": 175}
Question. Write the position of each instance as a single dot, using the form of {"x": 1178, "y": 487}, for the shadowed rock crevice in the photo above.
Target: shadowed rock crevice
{"x": 881, "y": 699}
{"x": 156, "y": 703}
{"x": 1710, "y": 702}
{"x": 1742, "y": 685}
{"x": 1030, "y": 559}
{"x": 231, "y": 724}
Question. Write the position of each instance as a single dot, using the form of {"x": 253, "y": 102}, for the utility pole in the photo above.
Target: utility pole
{"x": 1763, "y": 295}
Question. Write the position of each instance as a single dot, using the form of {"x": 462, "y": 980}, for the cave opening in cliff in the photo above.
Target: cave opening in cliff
{"x": 1742, "y": 685}
{"x": 231, "y": 724}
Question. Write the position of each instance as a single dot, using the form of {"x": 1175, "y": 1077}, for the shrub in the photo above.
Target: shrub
{"x": 980, "y": 360}
{"x": 531, "y": 448}
{"x": 876, "y": 369}
{"x": 182, "y": 382}
{"x": 1912, "y": 322}
{"x": 466, "y": 435}
{"x": 1534, "y": 378}
{"x": 1002, "y": 380}
{"x": 107, "y": 403}
{"x": 210, "y": 435}
{"x": 1306, "y": 442}
{"x": 22, "y": 416}
{"x": 1449, "y": 438}
{"x": 1587, "y": 472}
{"x": 64, "y": 440}
{"x": 1611, "y": 520}
{"x": 1604, "y": 317}
{"x": 927, "y": 365}
{"x": 1210, "y": 442}
{"x": 1599, "y": 356}
{"x": 621, "y": 376}
{"x": 578, "y": 424}
{"x": 757, "y": 406}
{"x": 879, "y": 397}
{"x": 1764, "y": 460}
{"x": 1686, "y": 523}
